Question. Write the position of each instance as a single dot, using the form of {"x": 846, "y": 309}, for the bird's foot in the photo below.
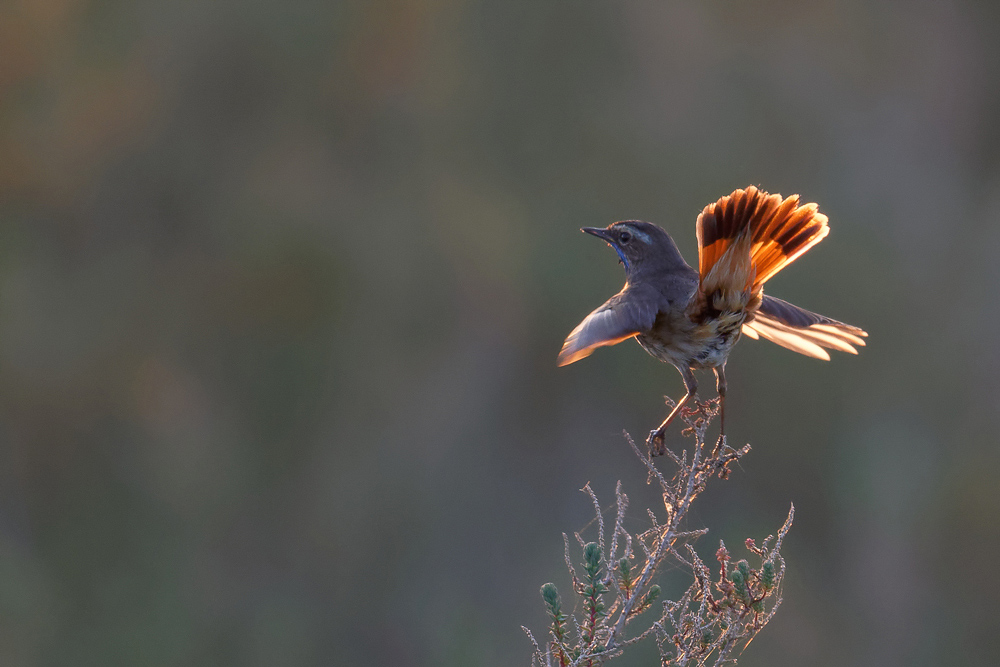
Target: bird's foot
{"x": 656, "y": 443}
{"x": 719, "y": 444}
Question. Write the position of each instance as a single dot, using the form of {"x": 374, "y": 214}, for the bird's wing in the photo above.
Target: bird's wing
{"x": 802, "y": 331}
{"x": 628, "y": 313}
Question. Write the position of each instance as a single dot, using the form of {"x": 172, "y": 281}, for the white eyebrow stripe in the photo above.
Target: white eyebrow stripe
{"x": 642, "y": 235}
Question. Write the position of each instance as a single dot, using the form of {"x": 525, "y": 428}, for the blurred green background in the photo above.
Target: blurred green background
{"x": 282, "y": 285}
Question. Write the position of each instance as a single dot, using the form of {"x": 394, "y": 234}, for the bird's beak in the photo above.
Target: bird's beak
{"x": 606, "y": 236}
{"x": 599, "y": 232}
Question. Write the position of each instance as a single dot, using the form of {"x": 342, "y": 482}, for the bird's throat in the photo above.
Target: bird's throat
{"x": 621, "y": 255}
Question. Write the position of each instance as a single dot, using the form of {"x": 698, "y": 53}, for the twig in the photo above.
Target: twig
{"x": 711, "y": 617}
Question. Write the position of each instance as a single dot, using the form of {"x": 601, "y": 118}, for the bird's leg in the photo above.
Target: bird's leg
{"x": 656, "y": 442}
{"x": 720, "y": 385}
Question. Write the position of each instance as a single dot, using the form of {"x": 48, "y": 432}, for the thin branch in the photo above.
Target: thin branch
{"x": 710, "y": 618}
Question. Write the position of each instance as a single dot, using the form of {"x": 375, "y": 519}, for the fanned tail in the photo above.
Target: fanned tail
{"x": 774, "y": 231}
{"x": 743, "y": 240}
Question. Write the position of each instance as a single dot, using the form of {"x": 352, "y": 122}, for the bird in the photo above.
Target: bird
{"x": 691, "y": 318}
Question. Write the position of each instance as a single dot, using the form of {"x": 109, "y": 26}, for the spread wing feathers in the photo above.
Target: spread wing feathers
{"x": 802, "y": 331}
{"x": 632, "y": 311}
{"x": 774, "y": 231}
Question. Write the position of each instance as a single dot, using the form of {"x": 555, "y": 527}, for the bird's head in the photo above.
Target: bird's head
{"x": 640, "y": 245}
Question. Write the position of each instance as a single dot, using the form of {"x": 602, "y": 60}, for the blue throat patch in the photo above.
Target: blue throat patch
{"x": 621, "y": 255}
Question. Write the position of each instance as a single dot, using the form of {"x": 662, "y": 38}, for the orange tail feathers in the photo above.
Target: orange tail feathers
{"x": 747, "y": 237}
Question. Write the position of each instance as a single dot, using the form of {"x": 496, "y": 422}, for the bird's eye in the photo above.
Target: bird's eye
{"x": 624, "y": 237}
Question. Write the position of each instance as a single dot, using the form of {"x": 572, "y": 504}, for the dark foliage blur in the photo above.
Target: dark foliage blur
{"x": 282, "y": 286}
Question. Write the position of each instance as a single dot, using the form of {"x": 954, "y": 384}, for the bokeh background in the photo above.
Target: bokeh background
{"x": 282, "y": 286}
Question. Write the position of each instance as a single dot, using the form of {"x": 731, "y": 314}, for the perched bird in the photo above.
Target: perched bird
{"x": 692, "y": 319}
